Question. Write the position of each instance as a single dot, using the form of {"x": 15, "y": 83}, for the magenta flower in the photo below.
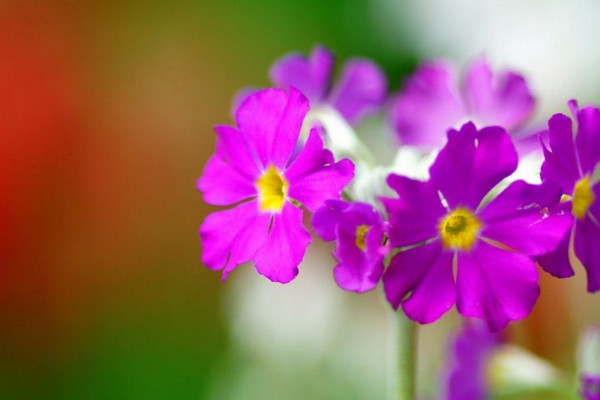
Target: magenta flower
{"x": 358, "y": 231}
{"x": 468, "y": 362}
{"x": 570, "y": 162}
{"x": 488, "y": 246}
{"x": 590, "y": 387}
{"x": 360, "y": 90}
{"x": 257, "y": 169}
{"x": 432, "y": 102}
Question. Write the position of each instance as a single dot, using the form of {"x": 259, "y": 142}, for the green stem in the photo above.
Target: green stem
{"x": 405, "y": 363}
{"x": 558, "y": 389}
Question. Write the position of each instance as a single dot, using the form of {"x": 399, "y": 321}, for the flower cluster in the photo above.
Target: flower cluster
{"x": 455, "y": 238}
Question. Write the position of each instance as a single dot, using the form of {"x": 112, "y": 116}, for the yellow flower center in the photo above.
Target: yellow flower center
{"x": 272, "y": 190}
{"x": 459, "y": 229}
{"x": 361, "y": 232}
{"x": 583, "y": 197}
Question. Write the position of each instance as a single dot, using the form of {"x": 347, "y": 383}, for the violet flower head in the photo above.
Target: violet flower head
{"x": 359, "y": 232}
{"x": 361, "y": 88}
{"x": 257, "y": 170}
{"x": 441, "y": 226}
{"x": 469, "y": 358}
{"x": 590, "y": 387}
{"x": 570, "y": 161}
{"x": 433, "y": 101}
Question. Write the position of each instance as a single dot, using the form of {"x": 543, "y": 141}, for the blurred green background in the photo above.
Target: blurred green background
{"x": 108, "y": 108}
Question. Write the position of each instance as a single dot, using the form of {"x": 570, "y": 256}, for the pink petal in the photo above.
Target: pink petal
{"x": 415, "y": 215}
{"x": 435, "y": 294}
{"x": 587, "y": 139}
{"x": 560, "y": 162}
{"x": 222, "y": 185}
{"x": 235, "y": 151}
{"x": 314, "y": 178}
{"x": 424, "y": 274}
{"x": 587, "y": 250}
{"x": 526, "y": 218}
{"x": 428, "y": 106}
{"x": 309, "y": 75}
{"x": 270, "y": 121}
{"x": 360, "y": 90}
{"x": 327, "y": 217}
{"x": 472, "y": 163}
{"x": 495, "y": 285}
{"x": 284, "y": 248}
{"x": 557, "y": 263}
{"x": 504, "y": 100}
{"x": 233, "y": 236}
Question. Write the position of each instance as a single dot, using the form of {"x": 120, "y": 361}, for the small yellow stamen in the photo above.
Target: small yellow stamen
{"x": 583, "y": 197}
{"x": 459, "y": 229}
{"x": 361, "y": 232}
{"x": 272, "y": 190}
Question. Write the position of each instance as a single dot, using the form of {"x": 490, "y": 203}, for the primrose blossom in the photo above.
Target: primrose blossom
{"x": 258, "y": 170}
{"x": 359, "y": 233}
{"x": 360, "y": 90}
{"x": 570, "y": 161}
{"x": 433, "y": 101}
{"x": 455, "y": 249}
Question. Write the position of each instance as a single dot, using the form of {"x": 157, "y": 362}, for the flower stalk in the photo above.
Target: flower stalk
{"x": 405, "y": 363}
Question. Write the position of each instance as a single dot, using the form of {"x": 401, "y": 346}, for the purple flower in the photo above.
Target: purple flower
{"x": 570, "y": 162}
{"x": 468, "y": 365}
{"x": 360, "y": 90}
{"x": 590, "y": 387}
{"x": 487, "y": 246}
{"x": 255, "y": 169}
{"x": 433, "y": 102}
{"x": 358, "y": 231}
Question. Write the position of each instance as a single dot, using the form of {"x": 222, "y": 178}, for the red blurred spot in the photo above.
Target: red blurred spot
{"x": 38, "y": 125}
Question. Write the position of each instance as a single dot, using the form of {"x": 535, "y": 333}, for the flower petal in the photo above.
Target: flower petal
{"x": 360, "y": 265}
{"x": 357, "y": 270}
{"x": 428, "y": 106}
{"x": 472, "y": 163}
{"x": 495, "y": 285}
{"x": 311, "y": 76}
{"x": 435, "y": 294}
{"x": 361, "y": 88}
{"x": 335, "y": 212}
{"x": 415, "y": 216}
{"x": 327, "y": 217}
{"x": 505, "y": 101}
{"x": 284, "y": 248}
{"x": 526, "y": 218}
{"x": 557, "y": 263}
{"x": 587, "y": 139}
{"x": 232, "y": 237}
{"x": 235, "y": 151}
{"x": 270, "y": 121}
{"x": 560, "y": 162}
{"x": 239, "y": 97}
{"x": 310, "y": 159}
{"x": 587, "y": 250}
{"x": 221, "y": 185}
{"x": 314, "y": 178}
{"x": 423, "y": 273}
{"x": 467, "y": 363}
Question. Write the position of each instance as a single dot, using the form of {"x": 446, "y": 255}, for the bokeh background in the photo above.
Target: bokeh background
{"x": 106, "y": 112}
